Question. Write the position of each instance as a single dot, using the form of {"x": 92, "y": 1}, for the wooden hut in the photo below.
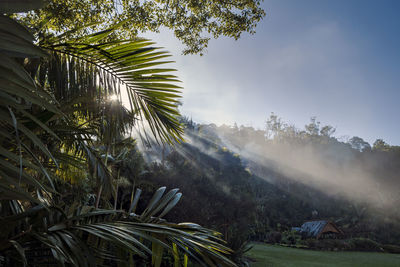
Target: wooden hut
{"x": 319, "y": 229}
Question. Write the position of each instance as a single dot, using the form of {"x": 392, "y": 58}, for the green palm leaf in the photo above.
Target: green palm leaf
{"x": 19, "y": 166}
{"x": 80, "y": 237}
{"x": 92, "y": 66}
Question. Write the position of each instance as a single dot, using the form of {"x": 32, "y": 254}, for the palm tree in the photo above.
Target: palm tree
{"x": 53, "y": 108}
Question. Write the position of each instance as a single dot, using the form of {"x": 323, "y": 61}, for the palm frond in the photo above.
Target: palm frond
{"x": 79, "y": 237}
{"x": 20, "y": 167}
{"x": 91, "y": 66}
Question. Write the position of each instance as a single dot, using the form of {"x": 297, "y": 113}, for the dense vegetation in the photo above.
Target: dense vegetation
{"x": 62, "y": 144}
{"x": 194, "y": 23}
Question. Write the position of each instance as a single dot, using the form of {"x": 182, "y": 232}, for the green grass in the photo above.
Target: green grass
{"x": 277, "y": 256}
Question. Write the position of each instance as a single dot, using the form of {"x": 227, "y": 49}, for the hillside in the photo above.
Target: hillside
{"x": 230, "y": 186}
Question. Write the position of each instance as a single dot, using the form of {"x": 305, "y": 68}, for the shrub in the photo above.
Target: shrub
{"x": 274, "y": 237}
{"x": 290, "y": 238}
{"x": 364, "y": 244}
{"x": 391, "y": 248}
{"x": 326, "y": 244}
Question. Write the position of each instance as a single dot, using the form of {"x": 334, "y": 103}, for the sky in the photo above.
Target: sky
{"x": 336, "y": 60}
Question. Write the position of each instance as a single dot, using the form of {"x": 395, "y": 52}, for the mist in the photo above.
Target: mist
{"x": 321, "y": 162}
{"x": 336, "y": 173}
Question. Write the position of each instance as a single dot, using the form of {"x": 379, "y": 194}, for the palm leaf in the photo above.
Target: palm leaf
{"x": 18, "y": 132}
{"x": 79, "y": 238}
{"x": 108, "y": 67}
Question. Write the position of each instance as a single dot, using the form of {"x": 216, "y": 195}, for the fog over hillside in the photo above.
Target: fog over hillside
{"x": 321, "y": 161}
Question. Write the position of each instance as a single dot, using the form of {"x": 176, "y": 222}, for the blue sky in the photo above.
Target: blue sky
{"x": 336, "y": 60}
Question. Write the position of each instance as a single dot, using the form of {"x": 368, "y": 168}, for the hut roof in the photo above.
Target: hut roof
{"x": 316, "y": 228}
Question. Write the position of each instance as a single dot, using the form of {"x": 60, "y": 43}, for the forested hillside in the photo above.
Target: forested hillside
{"x": 251, "y": 184}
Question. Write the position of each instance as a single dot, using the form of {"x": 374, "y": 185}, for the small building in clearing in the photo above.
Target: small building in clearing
{"x": 318, "y": 229}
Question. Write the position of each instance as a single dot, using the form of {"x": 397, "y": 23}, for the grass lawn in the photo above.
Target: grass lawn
{"x": 277, "y": 256}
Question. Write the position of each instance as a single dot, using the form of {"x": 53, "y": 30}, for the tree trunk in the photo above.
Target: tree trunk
{"x": 101, "y": 185}
{"x": 98, "y": 196}
{"x": 116, "y": 191}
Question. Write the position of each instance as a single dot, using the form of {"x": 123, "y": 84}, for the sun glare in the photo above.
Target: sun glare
{"x": 113, "y": 98}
